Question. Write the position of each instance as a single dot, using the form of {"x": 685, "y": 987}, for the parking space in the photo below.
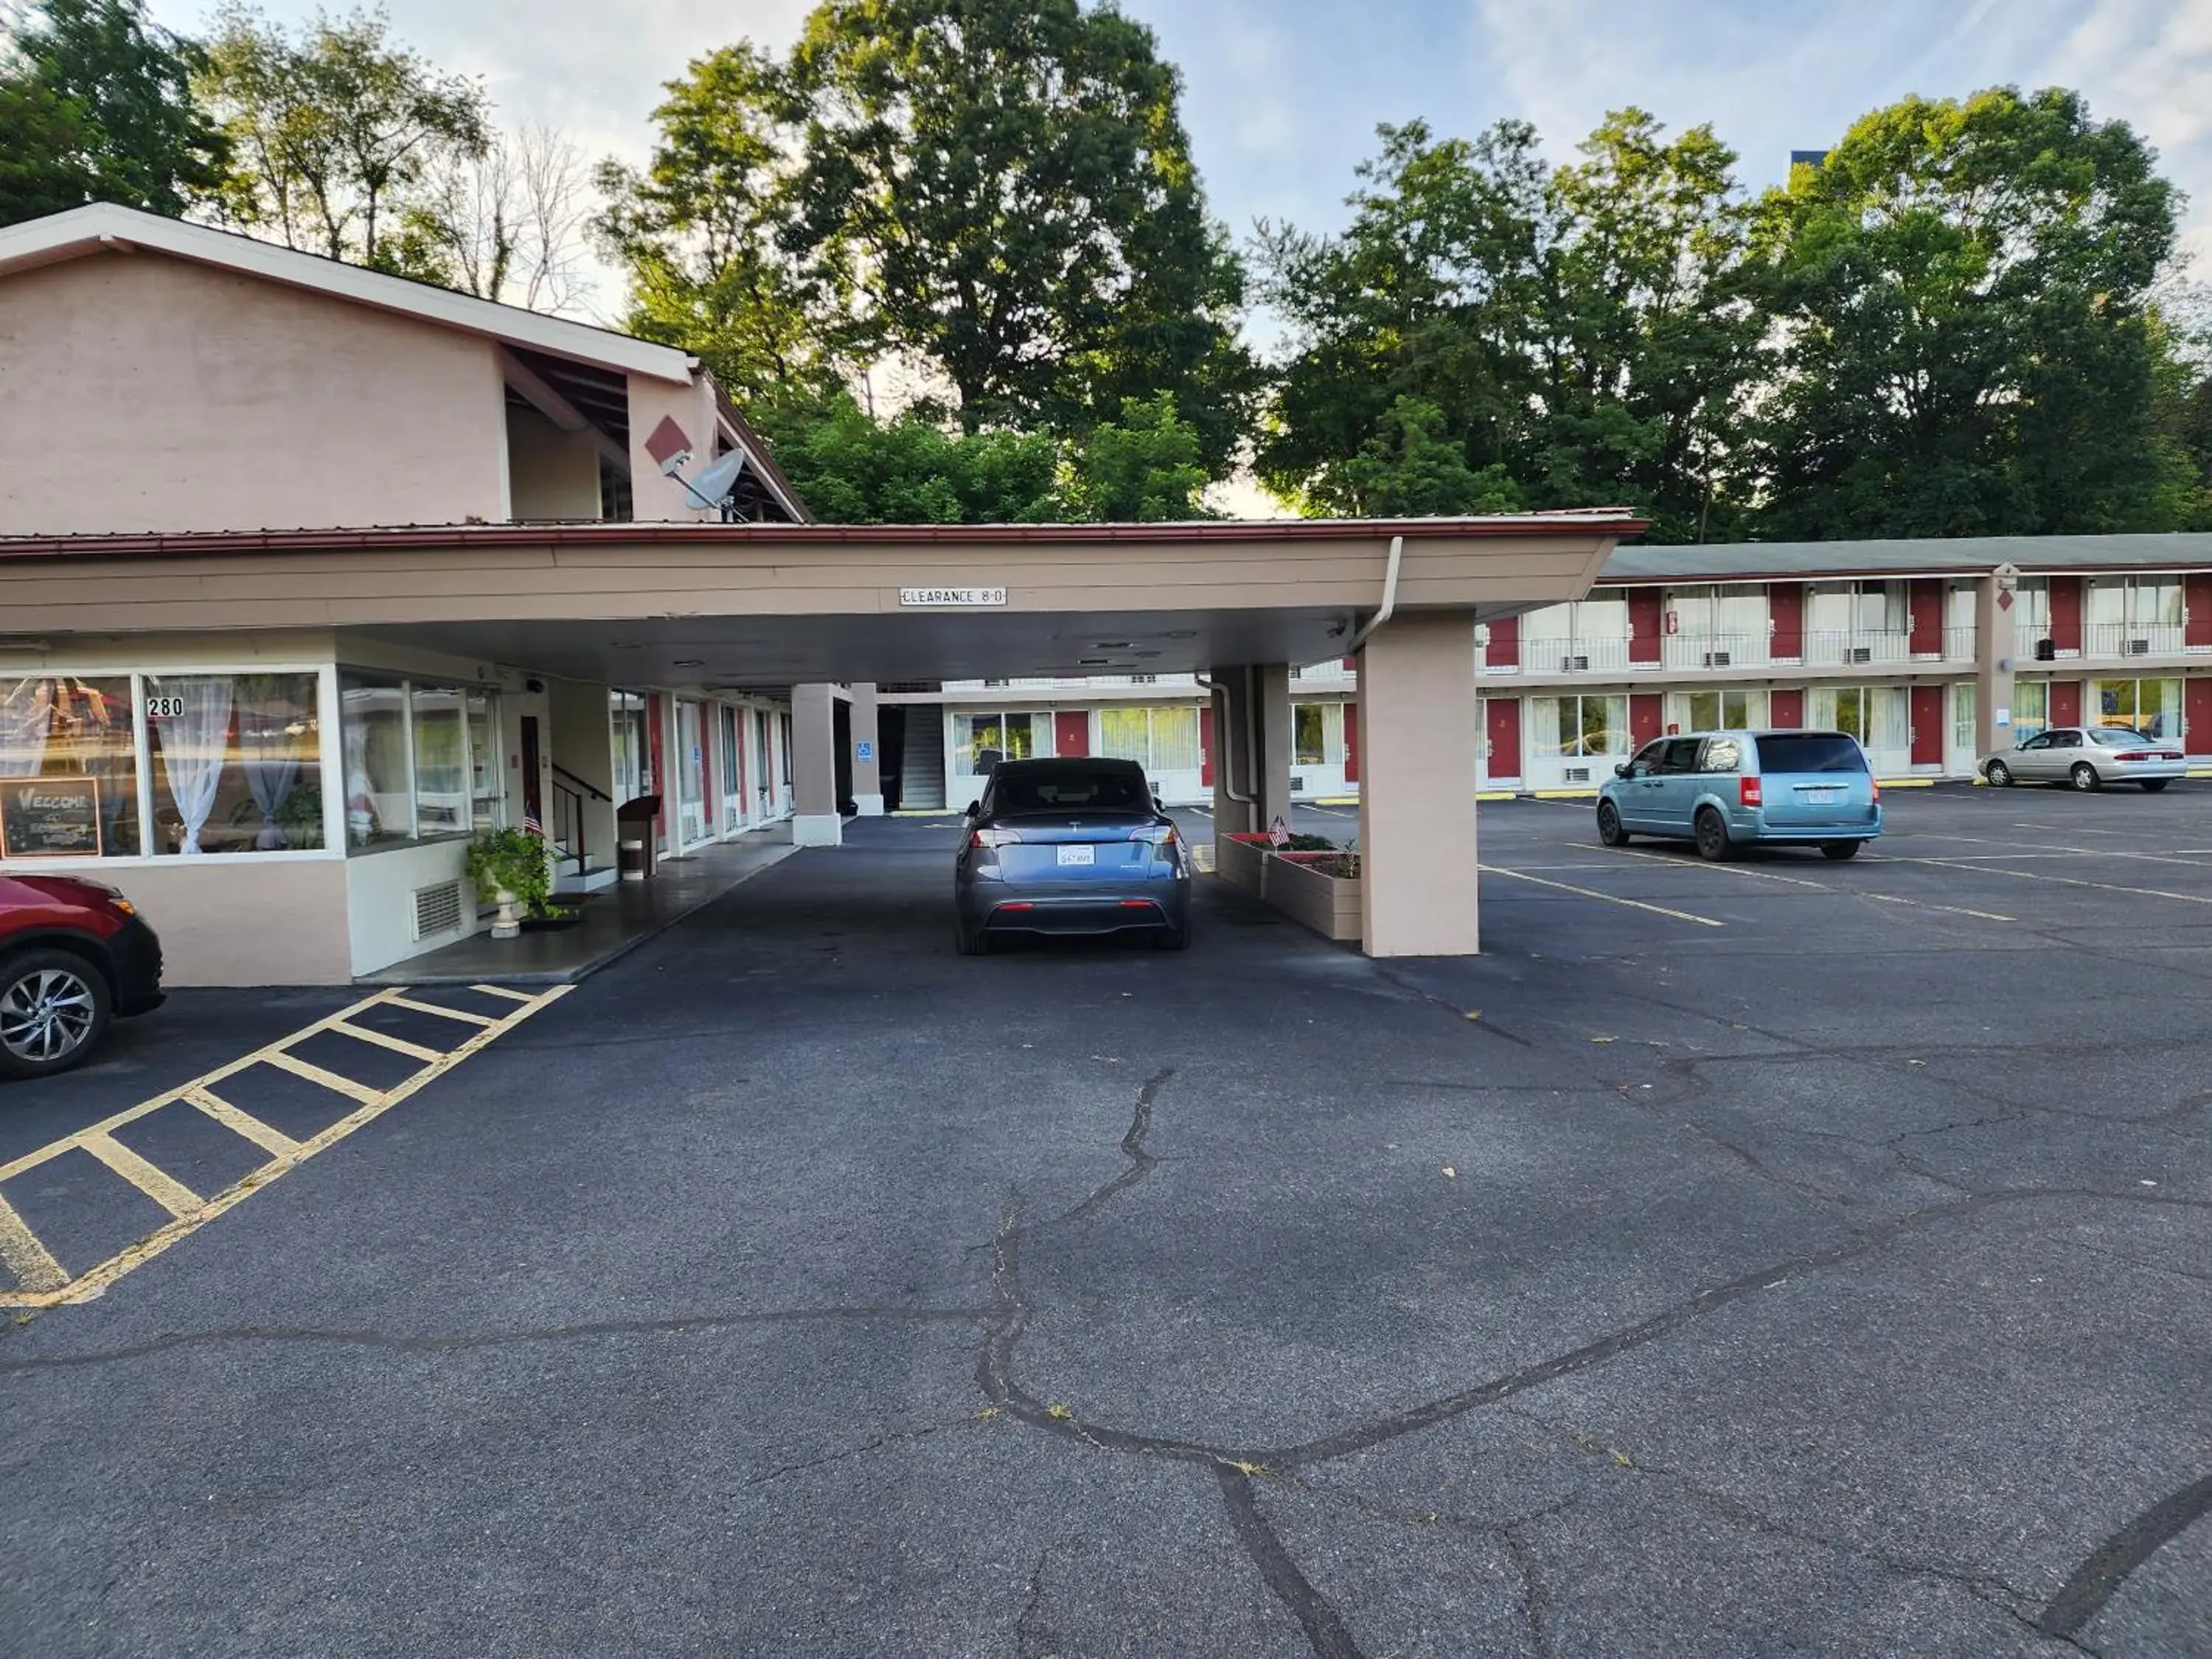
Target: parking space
{"x": 1775, "y": 1256}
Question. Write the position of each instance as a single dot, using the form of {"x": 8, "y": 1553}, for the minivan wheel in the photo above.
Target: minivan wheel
{"x": 2086, "y": 779}
{"x": 1840, "y": 850}
{"x": 2000, "y": 774}
{"x": 1609, "y": 825}
{"x": 1712, "y": 837}
{"x": 54, "y": 1006}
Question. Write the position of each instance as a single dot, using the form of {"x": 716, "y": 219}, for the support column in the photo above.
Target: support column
{"x": 815, "y": 821}
{"x": 867, "y": 753}
{"x": 1419, "y": 741}
{"x": 1251, "y": 747}
{"x": 1996, "y": 640}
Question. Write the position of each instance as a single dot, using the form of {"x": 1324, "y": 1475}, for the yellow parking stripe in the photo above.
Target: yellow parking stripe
{"x": 2062, "y": 881}
{"x": 1610, "y": 898}
{"x": 275, "y": 1142}
{"x": 461, "y": 1014}
{"x": 385, "y": 1040}
{"x": 503, "y": 991}
{"x": 21, "y": 1252}
{"x": 313, "y": 1074}
{"x": 1929, "y": 904}
{"x": 164, "y": 1189}
{"x": 42, "y": 1281}
{"x": 1817, "y": 886}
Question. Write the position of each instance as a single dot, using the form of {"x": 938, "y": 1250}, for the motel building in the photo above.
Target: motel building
{"x": 1883, "y": 640}
{"x": 308, "y": 573}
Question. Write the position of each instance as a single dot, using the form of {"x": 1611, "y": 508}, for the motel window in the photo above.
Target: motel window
{"x": 2031, "y": 705}
{"x": 2150, "y": 707}
{"x": 1724, "y": 711}
{"x": 421, "y": 760}
{"x": 987, "y": 739}
{"x": 1157, "y": 739}
{"x": 1578, "y": 727}
{"x": 1317, "y": 733}
{"x": 1962, "y": 717}
{"x": 1877, "y": 716}
{"x": 69, "y": 768}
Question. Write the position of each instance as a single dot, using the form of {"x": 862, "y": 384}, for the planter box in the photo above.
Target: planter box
{"x": 1330, "y": 905}
{"x": 1242, "y": 861}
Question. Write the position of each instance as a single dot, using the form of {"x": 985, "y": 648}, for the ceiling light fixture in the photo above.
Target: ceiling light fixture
{"x": 690, "y": 662}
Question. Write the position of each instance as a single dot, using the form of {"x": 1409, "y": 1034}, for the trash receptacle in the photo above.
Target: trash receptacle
{"x": 636, "y": 854}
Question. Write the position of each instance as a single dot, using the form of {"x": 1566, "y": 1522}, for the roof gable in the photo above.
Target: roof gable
{"x": 105, "y": 227}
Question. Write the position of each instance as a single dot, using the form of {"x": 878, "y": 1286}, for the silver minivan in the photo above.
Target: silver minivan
{"x": 1725, "y": 791}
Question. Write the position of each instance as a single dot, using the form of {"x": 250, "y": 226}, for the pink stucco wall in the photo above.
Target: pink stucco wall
{"x": 139, "y": 391}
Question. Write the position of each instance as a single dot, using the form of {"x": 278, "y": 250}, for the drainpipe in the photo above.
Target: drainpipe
{"x": 1220, "y": 694}
{"x": 1389, "y": 597}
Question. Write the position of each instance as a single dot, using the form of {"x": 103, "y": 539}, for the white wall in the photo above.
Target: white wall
{"x": 380, "y": 901}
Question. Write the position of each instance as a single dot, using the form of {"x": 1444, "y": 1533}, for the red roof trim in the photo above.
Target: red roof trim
{"x": 599, "y": 535}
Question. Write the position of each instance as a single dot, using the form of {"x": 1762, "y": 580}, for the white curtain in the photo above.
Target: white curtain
{"x": 272, "y": 767}
{"x": 27, "y": 714}
{"x": 193, "y": 743}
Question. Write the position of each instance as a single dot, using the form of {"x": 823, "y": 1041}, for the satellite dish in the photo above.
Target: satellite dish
{"x": 716, "y": 480}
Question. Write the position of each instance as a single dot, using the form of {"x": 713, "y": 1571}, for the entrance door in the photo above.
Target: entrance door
{"x": 1928, "y": 725}
{"x": 1502, "y": 727}
{"x": 1071, "y": 731}
{"x": 2065, "y": 703}
{"x": 1351, "y": 742}
{"x": 2197, "y": 709}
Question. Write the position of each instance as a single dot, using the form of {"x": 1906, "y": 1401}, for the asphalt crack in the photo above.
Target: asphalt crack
{"x": 2098, "y": 1578}
{"x": 1327, "y": 1634}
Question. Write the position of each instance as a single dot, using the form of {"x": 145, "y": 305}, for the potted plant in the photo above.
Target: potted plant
{"x": 509, "y": 868}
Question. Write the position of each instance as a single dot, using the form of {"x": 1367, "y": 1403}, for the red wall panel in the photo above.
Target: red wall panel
{"x": 1071, "y": 731}
{"x": 1786, "y": 710}
{"x": 2066, "y": 697}
{"x": 1643, "y": 716}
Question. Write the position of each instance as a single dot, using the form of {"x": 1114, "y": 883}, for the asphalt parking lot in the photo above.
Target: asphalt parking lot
{"x": 1771, "y": 1257}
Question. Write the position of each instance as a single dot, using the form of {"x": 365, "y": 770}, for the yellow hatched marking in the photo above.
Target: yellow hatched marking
{"x": 461, "y": 1014}
{"x": 156, "y": 1184}
{"x": 46, "y": 1285}
{"x": 385, "y": 1040}
{"x": 275, "y": 1142}
{"x": 330, "y": 1080}
{"x": 1610, "y": 898}
{"x": 503, "y": 991}
{"x": 33, "y": 1264}
{"x": 54, "y": 1149}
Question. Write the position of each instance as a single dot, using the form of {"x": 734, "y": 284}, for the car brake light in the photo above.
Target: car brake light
{"x": 1749, "y": 792}
{"x": 994, "y": 838}
{"x": 2138, "y": 755}
{"x": 1154, "y": 834}
{"x": 1877, "y": 792}
{"x": 1136, "y": 904}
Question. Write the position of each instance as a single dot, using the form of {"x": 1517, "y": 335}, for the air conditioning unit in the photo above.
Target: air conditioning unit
{"x": 1576, "y": 774}
{"x": 2138, "y": 648}
{"x": 1716, "y": 659}
{"x": 1859, "y": 653}
{"x": 1574, "y": 665}
{"x": 1144, "y": 679}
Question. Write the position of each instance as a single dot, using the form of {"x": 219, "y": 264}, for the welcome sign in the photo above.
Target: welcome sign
{"x": 48, "y": 817}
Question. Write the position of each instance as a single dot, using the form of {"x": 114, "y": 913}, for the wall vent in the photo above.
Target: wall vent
{"x": 1577, "y": 774}
{"x": 437, "y": 910}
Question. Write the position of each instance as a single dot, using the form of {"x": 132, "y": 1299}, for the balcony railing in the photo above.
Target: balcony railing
{"x": 2132, "y": 640}
{"x": 1727, "y": 652}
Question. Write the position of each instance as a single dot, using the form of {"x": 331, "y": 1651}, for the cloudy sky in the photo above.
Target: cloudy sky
{"x": 1283, "y": 96}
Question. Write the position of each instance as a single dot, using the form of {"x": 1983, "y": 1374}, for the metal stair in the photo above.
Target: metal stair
{"x": 921, "y": 766}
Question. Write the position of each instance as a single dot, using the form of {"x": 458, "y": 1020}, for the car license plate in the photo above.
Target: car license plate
{"x": 1076, "y": 855}
{"x": 1824, "y": 797}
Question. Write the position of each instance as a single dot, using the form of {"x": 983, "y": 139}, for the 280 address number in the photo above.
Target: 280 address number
{"x": 164, "y": 709}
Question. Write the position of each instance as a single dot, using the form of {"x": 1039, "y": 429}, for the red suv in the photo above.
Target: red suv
{"x": 73, "y": 955}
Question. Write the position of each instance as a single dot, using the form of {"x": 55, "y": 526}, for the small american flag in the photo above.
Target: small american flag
{"x": 531, "y": 824}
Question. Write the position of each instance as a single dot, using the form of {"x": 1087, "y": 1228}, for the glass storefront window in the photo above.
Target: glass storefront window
{"x": 380, "y": 796}
{"x": 441, "y": 749}
{"x": 2031, "y": 700}
{"x": 1175, "y": 740}
{"x": 1877, "y": 716}
{"x": 2151, "y": 706}
{"x": 487, "y": 777}
{"x": 1725, "y": 711}
{"x": 1307, "y": 746}
{"x": 236, "y": 763}
{"x": 69, "y": 768}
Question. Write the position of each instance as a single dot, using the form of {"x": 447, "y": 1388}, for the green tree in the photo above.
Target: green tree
{"x": 1146, "y": 467}
{"x": 95, "y": 105}
{"x": 335, "y": 134}
{"x": 1962, "y": 291}
{"x": 1009, "y": 184}
{"x": 852, "y": 469}
{"x": 1577, "y": 335}
{"x": 706, "y": 235}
